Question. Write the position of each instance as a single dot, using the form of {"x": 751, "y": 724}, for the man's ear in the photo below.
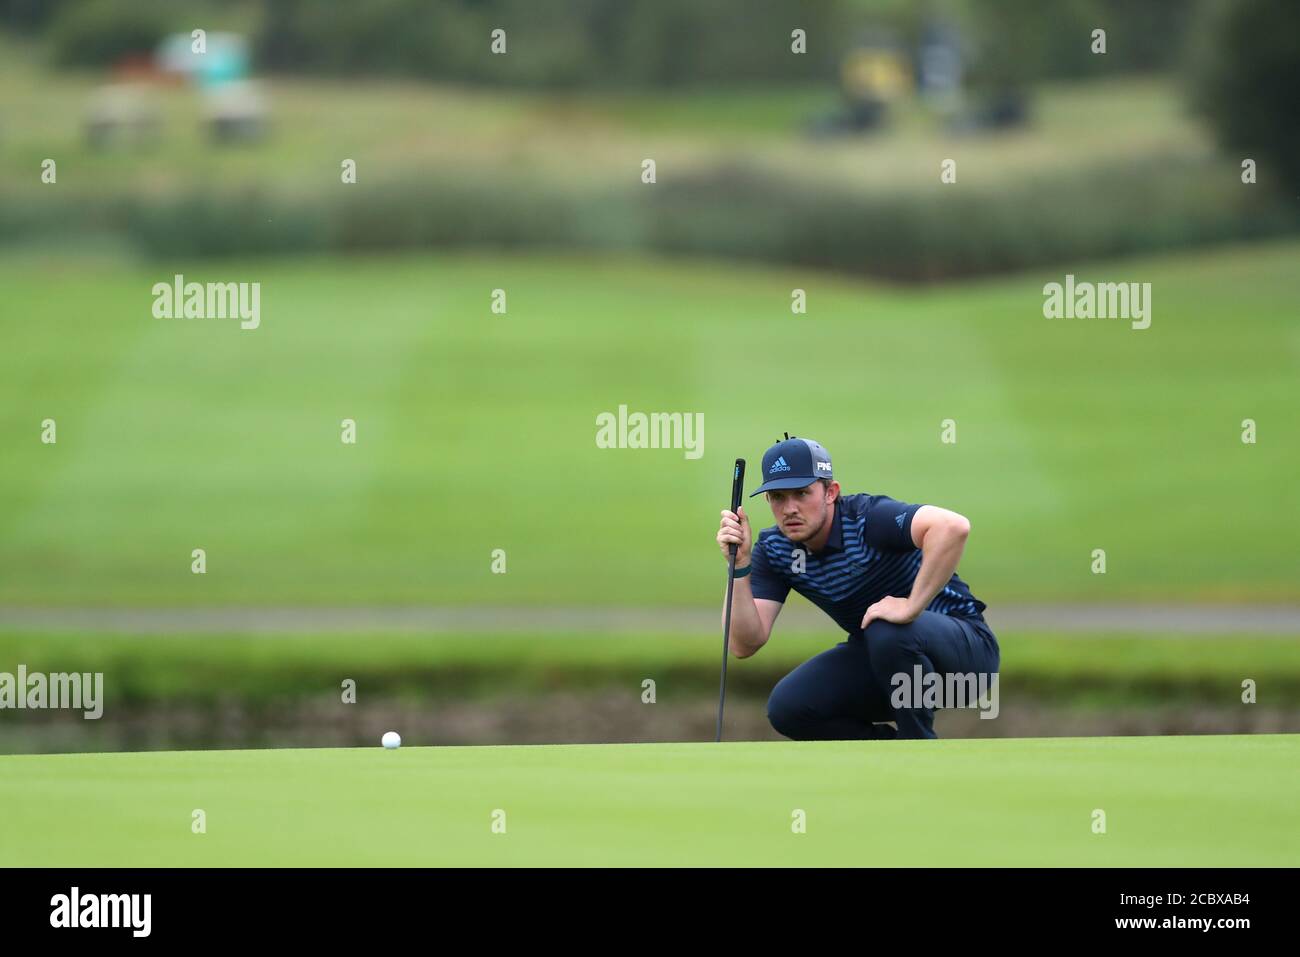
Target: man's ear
{"x": 833, "y": 492}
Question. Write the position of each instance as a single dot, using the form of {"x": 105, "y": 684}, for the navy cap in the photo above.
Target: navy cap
{"x": 793, "y": 463}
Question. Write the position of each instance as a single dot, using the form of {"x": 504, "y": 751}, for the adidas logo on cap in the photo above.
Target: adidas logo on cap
{"x": 779, "y": 466}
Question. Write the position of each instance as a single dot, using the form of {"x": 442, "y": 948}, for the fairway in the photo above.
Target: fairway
{"x": 477, "y": 431}
{"x": 1180, "y": 801}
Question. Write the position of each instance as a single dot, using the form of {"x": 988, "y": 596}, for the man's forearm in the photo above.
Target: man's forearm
{"x": 940, "y": 552}
{"x": 746, "y": 628}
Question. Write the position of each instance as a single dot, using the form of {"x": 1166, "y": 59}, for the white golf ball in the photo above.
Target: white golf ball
{"x": 391, "y": 740}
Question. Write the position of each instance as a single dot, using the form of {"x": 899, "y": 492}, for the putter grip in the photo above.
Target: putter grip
{"x": 737, "y": 489}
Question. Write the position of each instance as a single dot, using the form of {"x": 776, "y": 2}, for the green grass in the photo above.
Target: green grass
{"x": 1185, "y": 801}
{"x": 1062, "y": 669}
{"x": 477, "y": 432}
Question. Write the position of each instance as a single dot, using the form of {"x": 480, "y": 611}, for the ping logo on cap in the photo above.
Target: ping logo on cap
{"x": 823, "y": 466}
{"x": 779, "y": 466}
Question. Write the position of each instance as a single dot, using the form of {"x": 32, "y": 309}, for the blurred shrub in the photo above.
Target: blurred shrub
{"x": 100, "y": 32}
{"x": 1016, "y": 41}
{"x": 1161, "y": 203}
{"x": 731, "y": 211}
{"x": 29, "y": 15}
{"x": 1244, "y": 76}
{"x": 659, "y": 43}
{"x": 556, "y": 43}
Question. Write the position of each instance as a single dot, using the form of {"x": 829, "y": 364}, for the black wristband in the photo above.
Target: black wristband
{"x": 742, "y": 572}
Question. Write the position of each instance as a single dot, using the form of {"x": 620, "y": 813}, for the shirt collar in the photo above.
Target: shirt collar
{"x": 835, "y": 540}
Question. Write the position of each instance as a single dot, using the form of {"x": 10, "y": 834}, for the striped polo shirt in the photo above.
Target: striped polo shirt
{"x": 868, "y": 556}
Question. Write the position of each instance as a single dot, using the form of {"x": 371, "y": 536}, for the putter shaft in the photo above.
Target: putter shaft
{"x": 726, "y": 639}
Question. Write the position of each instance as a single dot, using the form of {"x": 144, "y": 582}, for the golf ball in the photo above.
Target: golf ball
{"x": 391, "y": 740}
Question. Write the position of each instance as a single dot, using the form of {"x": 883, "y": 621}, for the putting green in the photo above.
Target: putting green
{"x": 1178, "y": 801}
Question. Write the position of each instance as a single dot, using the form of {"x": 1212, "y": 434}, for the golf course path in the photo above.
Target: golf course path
{"x": 1207, "y": 620}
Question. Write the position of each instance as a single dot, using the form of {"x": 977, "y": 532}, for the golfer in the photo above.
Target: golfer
{"x": 884, "y": 571}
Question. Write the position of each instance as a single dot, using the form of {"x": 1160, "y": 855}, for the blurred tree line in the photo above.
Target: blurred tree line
{"x": 1241, "y": 58}
{"x": 628, "y": 43}
{"x": 1244, "y": 77}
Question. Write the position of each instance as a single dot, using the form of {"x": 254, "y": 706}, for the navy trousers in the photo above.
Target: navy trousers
{"x": 845, "y": 692}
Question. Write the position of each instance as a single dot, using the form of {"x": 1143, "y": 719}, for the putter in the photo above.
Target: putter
{"x": 737, "y": 486}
